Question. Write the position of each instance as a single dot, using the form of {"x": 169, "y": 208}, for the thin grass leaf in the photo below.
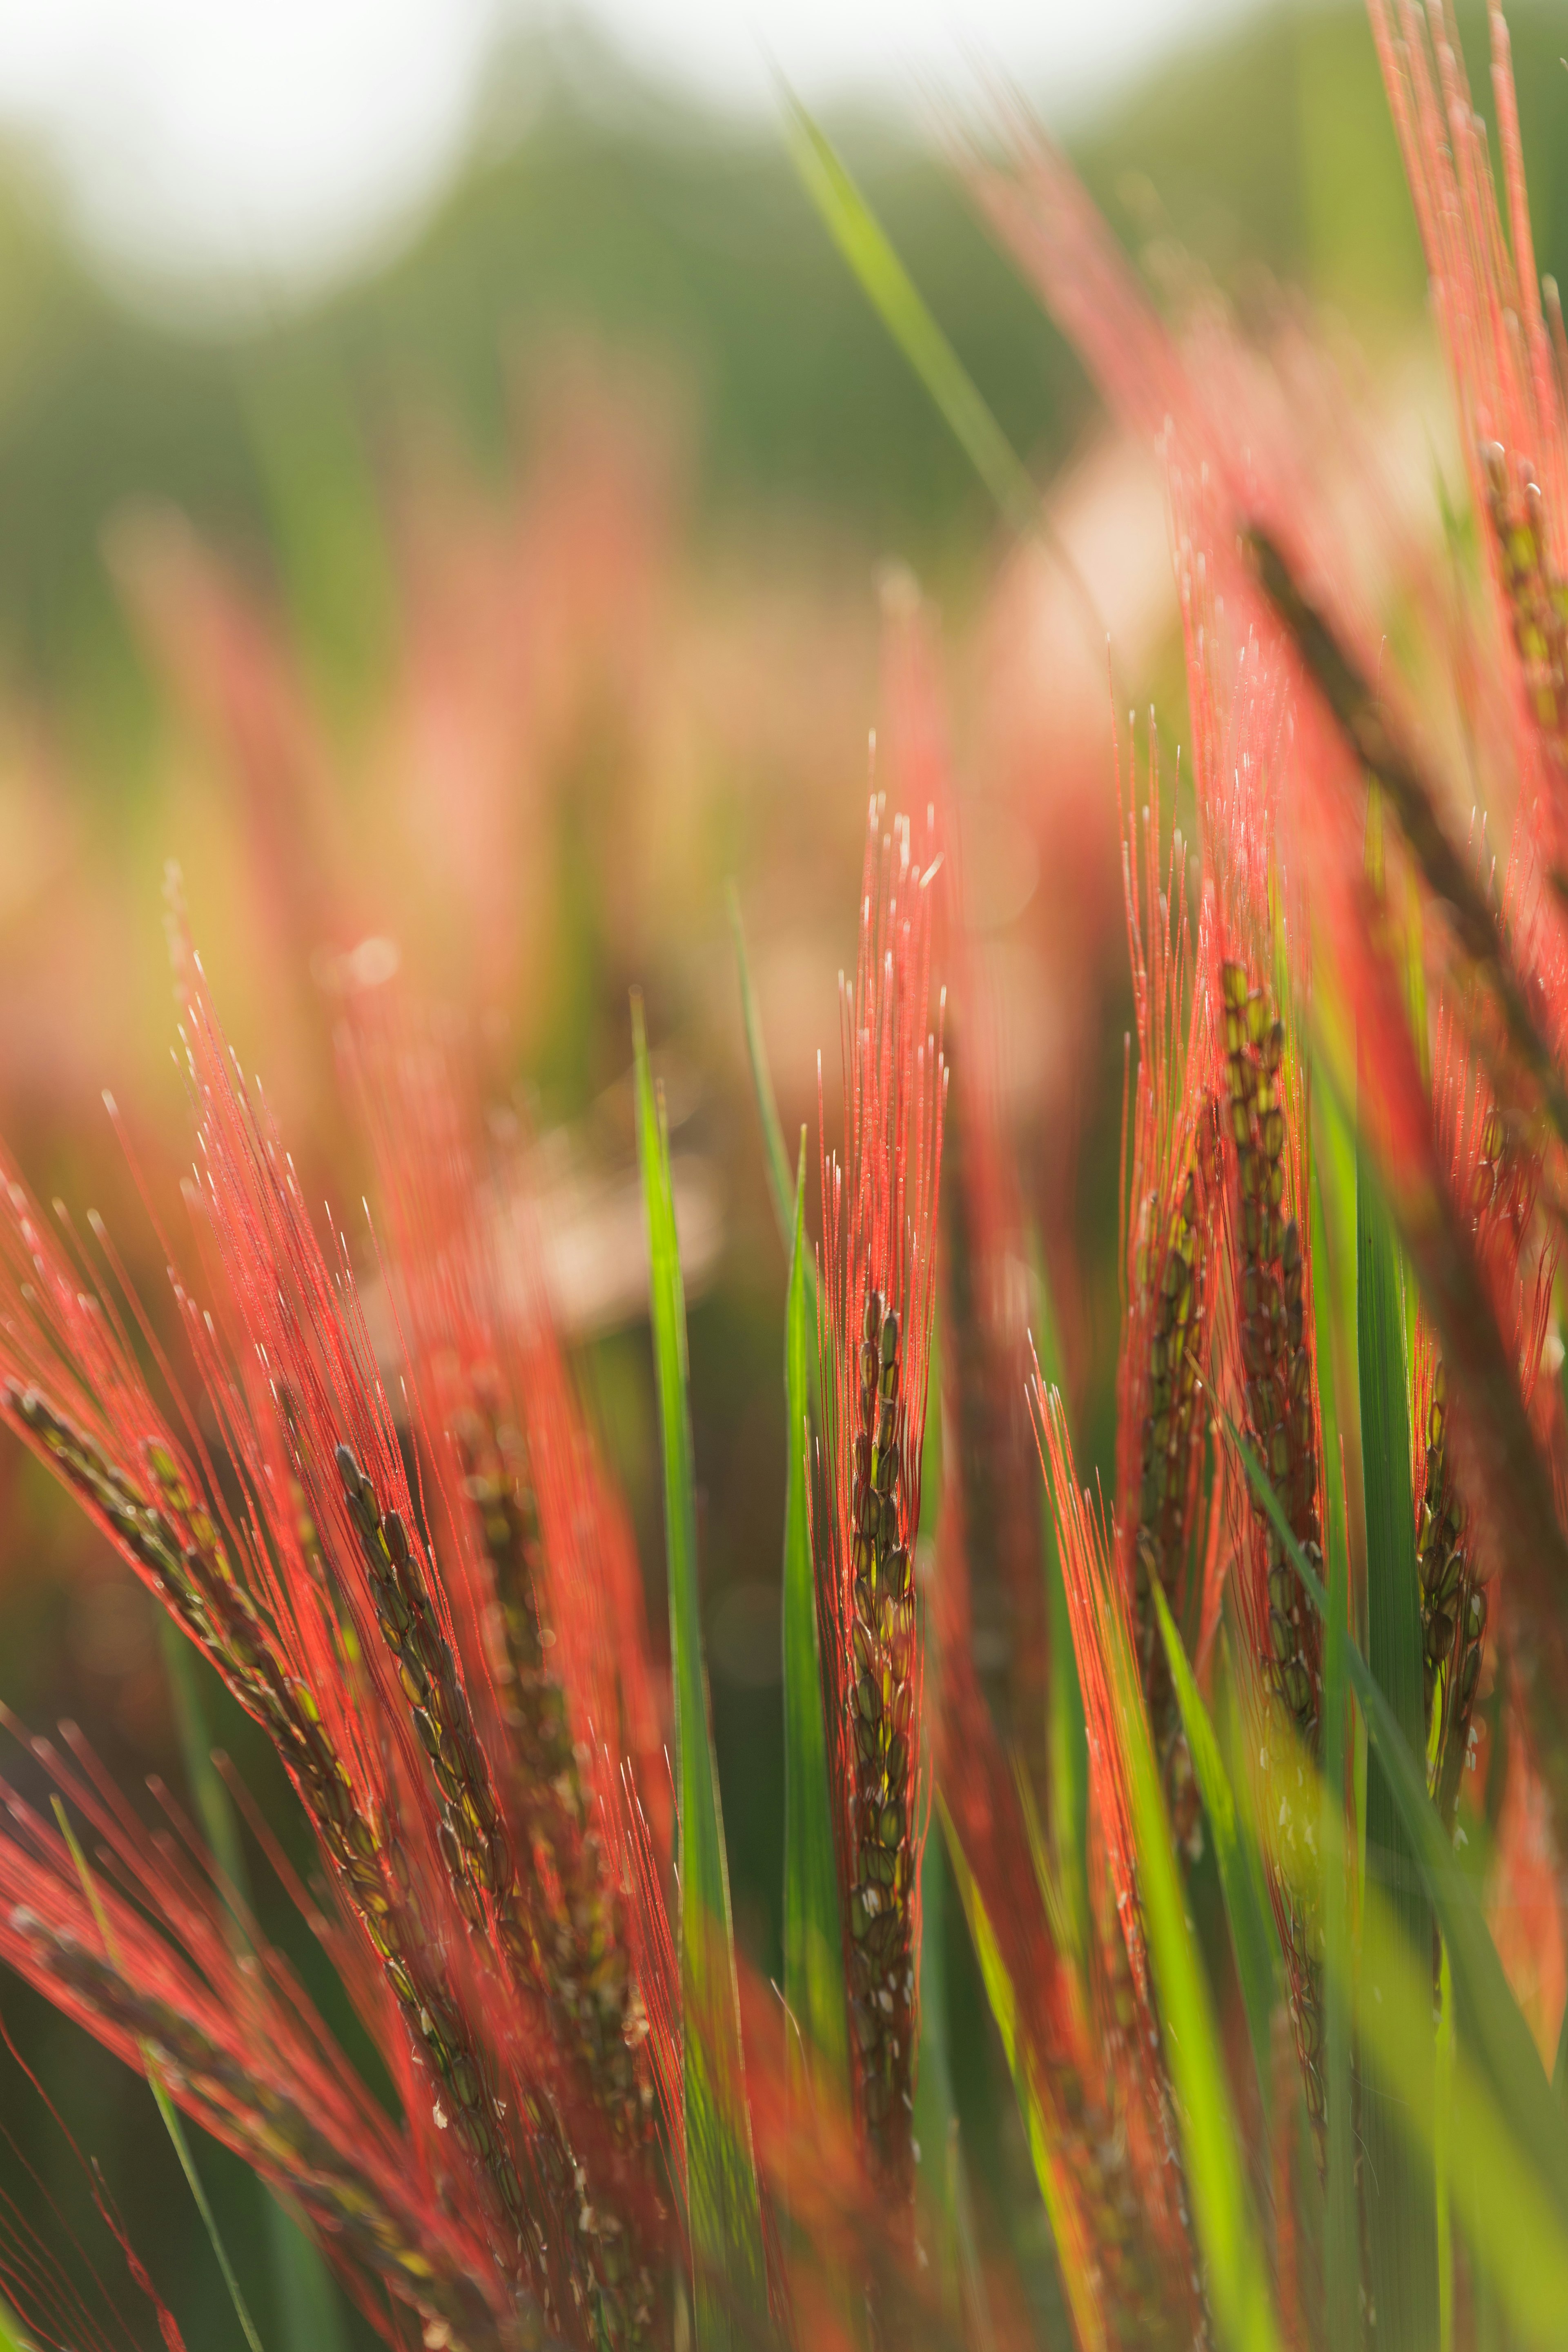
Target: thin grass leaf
{"x": 165, "y": 2103}
{"x": 784, "y": 1194}
{"x": 903, "y": 311}
{"x": 936, "y": 2121}
{"x": 1442, "y": 2161}
{"x": 1066, "y": 1744}
{"x": 813, "y": 1936}
{"x": 1080, "y": 2284}
{"x": 1492, "y": 2032}
{"x": 1342, "y": 2240}
{"x": 1252, "y": 1932}
{"x": 943, "y": 2174}
{"x": 865, "y": 245}
{"x": 1332, "y": 1175}
{"x": 729, "y": 2274}
{"x": 307, "y": 2299}
{"x": 1517, "y": 2238}
{"x": 1237, "y": 2273}
{"x": 1400, "y": 2195}
{"x": 1513, "y": 2223}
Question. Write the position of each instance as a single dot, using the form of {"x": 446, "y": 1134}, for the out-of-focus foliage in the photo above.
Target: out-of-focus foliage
{"x": 575, "y": 499}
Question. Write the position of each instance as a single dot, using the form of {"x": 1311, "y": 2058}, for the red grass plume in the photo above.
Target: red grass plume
{"x": 1154, "y": 2297}
{"x": 1170, "y": 1291}
{"x": 312, "y": 1579}
{"x": 878, "y": 1221}
{"x": 1509, "y": 360}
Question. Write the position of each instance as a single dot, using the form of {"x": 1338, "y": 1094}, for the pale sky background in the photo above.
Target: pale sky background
{"x": 283, "y": 138}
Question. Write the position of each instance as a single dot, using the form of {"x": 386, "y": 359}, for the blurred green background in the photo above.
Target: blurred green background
{"x": 583, "y": 492}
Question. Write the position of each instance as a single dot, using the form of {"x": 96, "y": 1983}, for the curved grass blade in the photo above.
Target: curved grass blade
{"x": 307, "y": 2299}
{"x": 813, "y": 1943}
{"x": 1332, "y": 1178}
{"x": 1236, "y": 2274}
{"x": 160, "y": 2091}
{"x": 1400, "y": 2192}
{"x": 1079, "y": 2283}
{"x": 728, "y": 2268}
{"x": 1492, "y": 2032}
{"x": 1518, "y": 2240}
{"x": 936, "y": 2122}
{"x": 1252, "y": 1934}
{"x": 865, "y": 245}
{"x": 785, "y": 1197}
{"x": 1342, "y": 2238}
{"x": 897, "y": 301}
{"x": 1063, "y": 1865}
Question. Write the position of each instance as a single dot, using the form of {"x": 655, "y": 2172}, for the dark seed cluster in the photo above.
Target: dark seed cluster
{"x": 282, "y": 2139}
{"x": 1453, "y": 1612}
{"x": 575, "y": 1931}
{"x": 1537, "y": 600}
{"x": 178, "y": 1549}
{"x": 1277, "y": 1372}
{"x": 563, "y": 1875}
{"x": 882, "y": 1635}
{"x": 1173, "y": 1439}
{"x": 1276, "y": 1362}
{"x": 480, "y": 1864}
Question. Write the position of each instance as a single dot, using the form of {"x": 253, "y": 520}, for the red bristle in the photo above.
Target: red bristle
{"x": 985, "y": 1247}
{"x": 877, "y": 1295}
{"x": 1164, "y": 1529}
{"x": 505, "y": 1429}
{"x": 170, "y": 1961}
{"x": 1158, "y": 2275}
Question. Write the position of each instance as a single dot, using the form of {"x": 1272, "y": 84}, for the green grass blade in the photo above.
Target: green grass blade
{"x": 1236, "y": 2272}
{"x": 729, "y": 2274}
{"x": 1341, "y": 2239}
{"x": 1400, "y": 2192}
{"x": 1506, "y": 2209}
{"x": 1252, "y": 1935}
{"x": 1079, "y": 2283}
{"x": 1067, "y": 1735}
{"x": 813, "y": 1936}
{"x": 1332, "y": 1178}
{"x": 1492, "y": 2032}
{"x": 943, "y": 2174}
{"x": 1442, "y": 2161}
{"x": 165, "y": 2103}
{"x": 864, "y": 244}
{"x": 898, "y": 303}
{"x": 1516, "y": 2236}
{"x": 306, "y": 2298}
{"x": 782, "y": 1192}
{"x": 935, "y": 2116}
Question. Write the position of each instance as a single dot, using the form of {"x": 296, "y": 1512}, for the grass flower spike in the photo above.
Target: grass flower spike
{"x": 880, "y": 1208}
